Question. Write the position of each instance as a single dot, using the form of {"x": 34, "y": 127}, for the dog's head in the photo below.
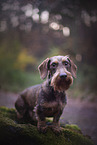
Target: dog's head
{"x": 60, "y": 70}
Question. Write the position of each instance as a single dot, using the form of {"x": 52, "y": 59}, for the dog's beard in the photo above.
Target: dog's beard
{"x": 61, "y": 84}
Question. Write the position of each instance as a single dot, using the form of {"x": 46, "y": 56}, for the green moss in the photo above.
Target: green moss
{"x": 6, "y": 112}
{"x": 13, "y": 133}
{"x": 73, "y": 127}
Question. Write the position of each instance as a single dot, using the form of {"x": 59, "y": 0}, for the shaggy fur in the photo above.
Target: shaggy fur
{"x": 48, "y": 99}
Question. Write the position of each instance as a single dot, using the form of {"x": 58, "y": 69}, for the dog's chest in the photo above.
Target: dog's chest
{"x": 51, "y": 108}
{"x": 53, "y": 102}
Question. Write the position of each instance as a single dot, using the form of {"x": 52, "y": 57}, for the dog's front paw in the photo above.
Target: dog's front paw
{"x": 56, "y": 129}
{"x": 42, "y": 127}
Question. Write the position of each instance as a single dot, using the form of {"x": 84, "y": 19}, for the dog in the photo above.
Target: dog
{"x": 48, "y": 99}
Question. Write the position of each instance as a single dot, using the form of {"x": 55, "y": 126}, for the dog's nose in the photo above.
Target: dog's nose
{"x": 63, "y": 75}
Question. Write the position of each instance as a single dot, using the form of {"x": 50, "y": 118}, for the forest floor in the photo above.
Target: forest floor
{"x": 83, "y": 113}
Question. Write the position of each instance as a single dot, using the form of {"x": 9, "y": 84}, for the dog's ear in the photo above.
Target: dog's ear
{"x": 73, "y": 68}
{"x": 43, "y": 68}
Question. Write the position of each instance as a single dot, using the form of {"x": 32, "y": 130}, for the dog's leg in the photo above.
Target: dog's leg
{"x": 41, "y": 125}
{"x": 20, "y": 107}
{"x": 56, "y": 125}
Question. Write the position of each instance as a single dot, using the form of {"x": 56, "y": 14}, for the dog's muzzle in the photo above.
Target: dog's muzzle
{"x": 61, "y": 81}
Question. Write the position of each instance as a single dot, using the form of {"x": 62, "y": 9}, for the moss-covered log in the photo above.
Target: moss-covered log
{"x": 13, "y": 133}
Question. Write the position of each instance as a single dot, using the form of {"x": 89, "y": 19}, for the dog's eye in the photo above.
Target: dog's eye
{"x": 54, "y": 65}
{"x": 65, "y": 63}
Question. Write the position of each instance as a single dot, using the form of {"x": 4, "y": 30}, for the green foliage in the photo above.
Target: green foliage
{"x": 20, "y": 80}
{"x": 73, "y": 127}
{"x": 23, "y": 59}
{"x": 19, "y": 134}
{"x": 54, "y": 51}
{"x": 14, "y": 64}
{"x": 8, "y": 55}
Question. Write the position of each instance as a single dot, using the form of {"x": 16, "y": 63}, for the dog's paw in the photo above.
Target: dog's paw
{"x": 42, "y": 129}
{"x": 56, "y": 129}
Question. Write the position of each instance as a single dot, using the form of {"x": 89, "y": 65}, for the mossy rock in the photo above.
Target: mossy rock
{"x": 13, "y": 133}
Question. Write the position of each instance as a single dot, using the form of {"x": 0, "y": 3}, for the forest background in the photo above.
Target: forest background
{"x": 32, "y": 30}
